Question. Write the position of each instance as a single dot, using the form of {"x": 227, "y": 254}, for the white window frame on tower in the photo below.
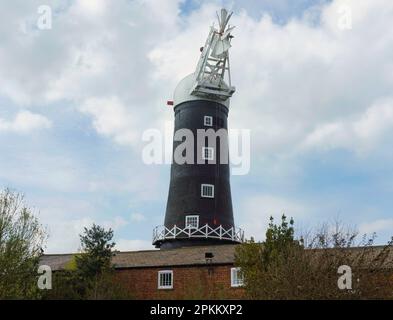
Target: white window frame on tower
{"x": 237, "y": 279}
{"x": 208, "y": 121}
{"x": 208, "y": 153}
{"x": 203, "y": 194}
{"x": 195, "y": 222}
{"x": 165, "y": 279}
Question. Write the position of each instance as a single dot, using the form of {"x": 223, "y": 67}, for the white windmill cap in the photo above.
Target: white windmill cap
{"x": 183, "y": 92}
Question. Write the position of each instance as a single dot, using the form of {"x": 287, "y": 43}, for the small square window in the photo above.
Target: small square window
{"x": 207, "y": 153}
{"x": 165, "y": 279}
{"x": 207, "y": 191}
{"x": 236, "y": 277}
{"x": 192, "y": 222}
{"x": 208, "y": 121}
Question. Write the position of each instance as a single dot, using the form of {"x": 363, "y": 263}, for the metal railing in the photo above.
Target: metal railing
{"x": 161, "y": 233}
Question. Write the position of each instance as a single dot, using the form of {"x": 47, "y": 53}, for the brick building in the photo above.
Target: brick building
{"x": 209, "y": 272}
{"x": 199, "y": 272}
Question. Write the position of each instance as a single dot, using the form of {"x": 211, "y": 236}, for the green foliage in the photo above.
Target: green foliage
{"x": 279, "y": 242}
{"x": 70, "y": 285}
{"x": 21, "y": 241}
{"x": 264, "y": 263}
{"x": 90, "y": 275}
{"x": 71, "y": 265}
{"x": 66, "y": 285}
{"x": 97, "y": 253}
{"x": 283, "y": 267}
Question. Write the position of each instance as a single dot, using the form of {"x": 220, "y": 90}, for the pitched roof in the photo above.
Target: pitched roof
{"x": 56, "y": 261}
{"x": 223, "y": 254}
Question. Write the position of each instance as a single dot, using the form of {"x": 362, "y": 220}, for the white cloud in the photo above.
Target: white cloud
{"x": 362, "y": 133}
{"x": 133, "y": 245}
{"x": 137, "y": 217}
{"x": 300, "y": 86}
{"x": 88, "y": 7}
{"x": 64, "y": 231}
{"x": 294, "y": 79}
{"x": 376, "y": 226}
{"x": 24, "y": 167}
{"x": 25, "y": 122}
{"x": 255, "y": 212}
{"x": 64, "y": 234}
{"x": 96, "y": 51}
{"x": 111, "y": 118}
{"x": 115, "y": 224}
{"x": 65, "y": 220}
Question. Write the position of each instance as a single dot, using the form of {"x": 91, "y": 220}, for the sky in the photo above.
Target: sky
{"x": 313, "y": 81}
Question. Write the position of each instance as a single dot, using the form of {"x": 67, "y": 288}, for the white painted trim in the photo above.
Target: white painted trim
{"x": 192, "y": 216}
{"x": 205, "y": 123}
{"x": 207, "y": 185}
{"x": 183, "y": 93}
{"x": 235, "y": 276}
{"x": 211, "y": 158}
{"x": 160, "y": 233}
{"x": 162, "y": 272}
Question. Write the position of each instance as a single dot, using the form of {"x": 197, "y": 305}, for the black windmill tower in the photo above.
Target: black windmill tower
{"x": 199, "y": 208}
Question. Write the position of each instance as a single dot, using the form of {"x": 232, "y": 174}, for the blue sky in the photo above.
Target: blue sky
{"x": 76, "y": 99}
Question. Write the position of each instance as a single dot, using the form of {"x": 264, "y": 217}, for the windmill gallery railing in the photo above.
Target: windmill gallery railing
{"x": 161, "y": 233}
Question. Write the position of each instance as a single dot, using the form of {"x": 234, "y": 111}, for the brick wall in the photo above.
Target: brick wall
{"x": 193, "y": 282}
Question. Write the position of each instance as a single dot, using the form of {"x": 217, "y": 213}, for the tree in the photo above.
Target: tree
{"x": 90, "y": 274}
{"x": 264, "y": 264}
{"x": 21, "y": 241}
{"x": 97, "y": 248}
{"x": 94, "y": 267}
{"x": 95, "y": 261}
{"x": 286, "y": 267}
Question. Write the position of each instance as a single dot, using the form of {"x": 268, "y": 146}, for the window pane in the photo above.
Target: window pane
{"x": 208, "y": 121}
{"x": 236, "y": 277}
{"x": 165, "y": 279}
{"x": 207, "y": 191}
{"x": 192, "y": 221}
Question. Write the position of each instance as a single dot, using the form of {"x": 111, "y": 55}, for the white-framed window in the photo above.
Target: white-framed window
{"x": 207, "y": 153}
{"x": 165, "y": 279}
{"x": 192, "y": 222}
{"x": 236, "y": 278}
{"x": 208, "y": 121}
{"x": 207, "y": 191}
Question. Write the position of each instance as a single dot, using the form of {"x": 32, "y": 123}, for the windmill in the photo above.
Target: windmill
{"x": 199, "y": 207}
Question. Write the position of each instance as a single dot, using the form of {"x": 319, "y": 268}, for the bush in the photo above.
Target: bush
{"x": 21, "y": 241}
{"x": 283, "y": 267}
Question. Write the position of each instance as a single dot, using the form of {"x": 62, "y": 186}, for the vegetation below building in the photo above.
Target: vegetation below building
{"x": 325, "y": 264}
